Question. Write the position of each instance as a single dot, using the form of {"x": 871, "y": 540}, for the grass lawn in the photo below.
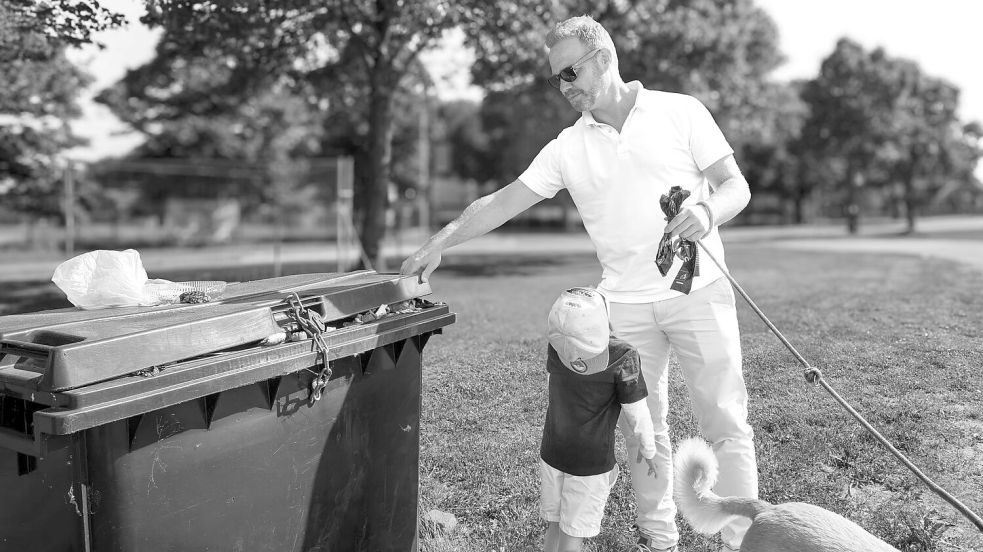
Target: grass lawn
{"x": 900, "y": 338}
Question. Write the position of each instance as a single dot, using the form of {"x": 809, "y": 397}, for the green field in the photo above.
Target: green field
{"x": 899, "y": 337}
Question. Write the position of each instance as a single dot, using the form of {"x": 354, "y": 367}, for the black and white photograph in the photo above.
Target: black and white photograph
{"x": 491, "y": 276}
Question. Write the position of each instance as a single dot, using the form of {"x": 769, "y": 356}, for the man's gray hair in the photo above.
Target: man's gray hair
{"x": 589, "y": 32}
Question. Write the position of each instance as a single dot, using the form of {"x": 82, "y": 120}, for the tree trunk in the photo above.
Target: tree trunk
{"x": 799, "y": 209}
{"x": 910, "y": 192}
{"x": 853, "y": 219}
{"x": 853, "y": 202}
{"x": 373, "y": 229}
{"x": 910, "y": 203}
{"x": 797, "y": 190}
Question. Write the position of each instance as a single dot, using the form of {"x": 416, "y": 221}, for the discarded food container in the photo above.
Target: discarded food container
{"x": 282, "y": 417}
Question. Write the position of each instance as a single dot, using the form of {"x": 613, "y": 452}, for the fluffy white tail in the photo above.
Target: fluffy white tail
{"x": 695, "y": 470}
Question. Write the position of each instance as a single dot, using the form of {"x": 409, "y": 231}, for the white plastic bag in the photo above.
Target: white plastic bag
{"x": 104, "y": 278}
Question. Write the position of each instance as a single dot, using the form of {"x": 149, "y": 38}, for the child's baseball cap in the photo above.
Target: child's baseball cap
{"x": 578, "y": 329}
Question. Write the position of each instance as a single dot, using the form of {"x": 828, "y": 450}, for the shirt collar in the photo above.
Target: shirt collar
{"x": 641, "y": 99}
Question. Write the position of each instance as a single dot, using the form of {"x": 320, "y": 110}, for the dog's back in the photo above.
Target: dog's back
{"x": 775, "y": 528}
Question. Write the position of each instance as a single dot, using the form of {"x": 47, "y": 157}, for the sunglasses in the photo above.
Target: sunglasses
{"x": 569, "y": 73}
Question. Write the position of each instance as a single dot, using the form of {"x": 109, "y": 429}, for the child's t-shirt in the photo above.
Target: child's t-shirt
{"x": 578, "y": 436}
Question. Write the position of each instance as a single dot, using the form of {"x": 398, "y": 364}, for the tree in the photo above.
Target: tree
{"x": 966, "y": 155}
{"x": 927, "y": 146}
{"x": 720, "y": 51}
{"x": 39, "y": 96}
{"x": 519, "y": 123}
{"x": 267, "y": 133}
{"x": 847, "y": 101}
{"x": 765, "y": 151}
{"x": 37, "y": 100}
{"x": 362, "y": 55}
{"x": 881, "y": 120}
{"x": 40, "y": 30}
{"x": 461, "y": 129}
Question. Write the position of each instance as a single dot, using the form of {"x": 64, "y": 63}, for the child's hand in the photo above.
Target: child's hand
{"x": 650, "y": 461}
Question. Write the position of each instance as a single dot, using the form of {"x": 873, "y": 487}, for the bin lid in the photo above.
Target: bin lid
{"x": 69, "y": 348}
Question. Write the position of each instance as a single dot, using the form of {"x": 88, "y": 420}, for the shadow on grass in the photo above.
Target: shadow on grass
{"x": 480, "y": 266}
{"x": 31, "y": 296}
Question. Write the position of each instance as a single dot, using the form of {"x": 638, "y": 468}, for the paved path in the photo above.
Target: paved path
{"x": 873, "y": 238}
{"x": 969, "y": 252}
{"x": 880, "y": 237}
{"x": 23, "y": 267}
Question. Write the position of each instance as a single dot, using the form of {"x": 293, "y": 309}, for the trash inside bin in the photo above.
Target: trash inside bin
{"x": 283, "y": 417}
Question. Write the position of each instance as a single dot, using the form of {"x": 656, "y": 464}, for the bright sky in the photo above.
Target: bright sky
{"x": 942, "y": 36}
{"x": 125, "y": 48}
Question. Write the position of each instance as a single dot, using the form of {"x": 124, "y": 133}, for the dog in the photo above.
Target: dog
{"x": 790, "y": 527}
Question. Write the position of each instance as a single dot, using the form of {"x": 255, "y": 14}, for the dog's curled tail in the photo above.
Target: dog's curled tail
{"x": 695, "y": 470}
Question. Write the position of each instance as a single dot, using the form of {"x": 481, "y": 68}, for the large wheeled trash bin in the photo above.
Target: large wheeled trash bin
{"x": 282, "y": 417}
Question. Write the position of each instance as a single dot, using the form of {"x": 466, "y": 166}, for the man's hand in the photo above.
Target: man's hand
{"x": 422, "y": 264}
{"x": 692, "y": 223}
{"x": 650, "y": 461}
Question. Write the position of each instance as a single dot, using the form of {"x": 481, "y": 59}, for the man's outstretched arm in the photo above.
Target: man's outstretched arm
{"x": 484, "y": 215}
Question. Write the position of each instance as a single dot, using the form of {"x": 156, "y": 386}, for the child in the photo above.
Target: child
{"x": 593, "y": 378}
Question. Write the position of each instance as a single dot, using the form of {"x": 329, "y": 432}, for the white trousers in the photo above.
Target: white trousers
{"x": 702, "y": 329}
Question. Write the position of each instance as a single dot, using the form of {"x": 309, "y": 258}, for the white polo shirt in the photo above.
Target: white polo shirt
{"x": 616, "y": 181}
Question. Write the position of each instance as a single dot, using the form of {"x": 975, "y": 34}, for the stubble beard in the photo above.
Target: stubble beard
{"x": 582, "y": 100}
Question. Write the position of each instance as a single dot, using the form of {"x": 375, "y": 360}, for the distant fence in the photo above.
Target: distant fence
{"x": 188, "y": 203}
{"x": 219, "y": 201}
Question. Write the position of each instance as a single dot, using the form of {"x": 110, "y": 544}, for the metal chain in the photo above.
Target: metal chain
{"x": 313, "y": 325}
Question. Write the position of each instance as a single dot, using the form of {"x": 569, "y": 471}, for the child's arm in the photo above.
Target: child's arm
{"x": 640, "y": 421}
{"x": 631, "y": 392}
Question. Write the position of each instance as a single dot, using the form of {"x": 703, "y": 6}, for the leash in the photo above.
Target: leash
{"x": 815, "y": 377}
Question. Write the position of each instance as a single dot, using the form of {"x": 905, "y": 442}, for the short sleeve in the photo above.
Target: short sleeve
{"x": 543, "y": 175}
{"x": 706, "y": 142}
{"x": 629, "y": 382}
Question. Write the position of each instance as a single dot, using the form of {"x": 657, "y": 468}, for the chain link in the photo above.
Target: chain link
{"x": 313, "y": 325}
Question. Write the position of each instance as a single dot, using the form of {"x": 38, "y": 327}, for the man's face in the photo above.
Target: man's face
{"x": 583, "y": 92}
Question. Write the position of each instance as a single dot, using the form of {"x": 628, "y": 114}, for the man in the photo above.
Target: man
{"x": 629, "y": 148}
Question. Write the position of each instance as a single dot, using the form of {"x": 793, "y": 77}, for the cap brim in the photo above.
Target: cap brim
{"x": 586, "y": 367}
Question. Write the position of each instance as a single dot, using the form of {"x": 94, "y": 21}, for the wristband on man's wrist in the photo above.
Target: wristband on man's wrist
{"x": 706, "y": 207}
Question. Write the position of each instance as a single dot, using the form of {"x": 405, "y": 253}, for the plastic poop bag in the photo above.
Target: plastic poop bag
{"x": 102, "y": 278}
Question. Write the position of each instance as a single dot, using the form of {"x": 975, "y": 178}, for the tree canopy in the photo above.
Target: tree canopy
{"x": 359, "y": 56}
{"x": 884, "y": 123}
{"x": 276, "y": 82}
{"x": 40, "y": 94}
{"x": 40, "y": 30}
